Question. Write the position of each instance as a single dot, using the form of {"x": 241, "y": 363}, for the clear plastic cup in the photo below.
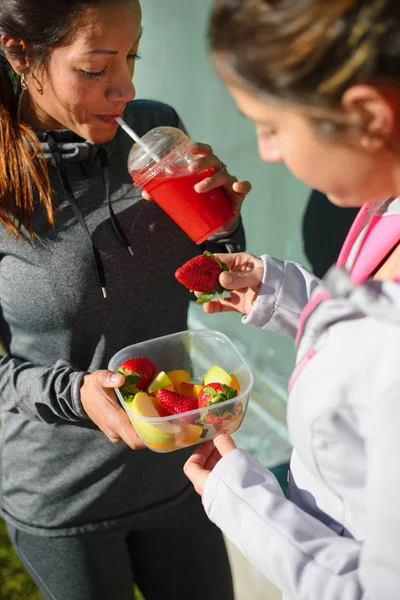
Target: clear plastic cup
{"x": 196, "y": 352}
{"x": 171, "y": 185}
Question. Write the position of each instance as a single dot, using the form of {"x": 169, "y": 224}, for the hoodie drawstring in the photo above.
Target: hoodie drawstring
{"x": 69, "y": 194}
{"x": 107, "y": 183}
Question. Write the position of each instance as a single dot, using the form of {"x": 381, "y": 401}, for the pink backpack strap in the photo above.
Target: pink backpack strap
{"x": 352, "y": 236}
{"x": 306, "y": 312}
{"x": 382, "y": 236}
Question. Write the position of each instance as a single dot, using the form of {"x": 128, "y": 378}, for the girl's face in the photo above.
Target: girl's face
{"x": 88, "y": 82}
{"x": 347, "y": 174}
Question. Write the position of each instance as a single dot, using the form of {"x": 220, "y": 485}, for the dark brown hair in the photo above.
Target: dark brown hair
{"x": 308, "y": 52}
{"x": 43, "y": 25}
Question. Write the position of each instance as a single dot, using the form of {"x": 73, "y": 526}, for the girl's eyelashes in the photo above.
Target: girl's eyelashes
{"x": 268, "y": 133}
{"x": 135, "y": 56}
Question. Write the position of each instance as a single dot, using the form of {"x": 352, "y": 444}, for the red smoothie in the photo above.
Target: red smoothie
{"x": 199, "y": 215}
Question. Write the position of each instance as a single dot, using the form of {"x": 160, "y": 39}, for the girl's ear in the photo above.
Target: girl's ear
{"x": 375, "y": 111}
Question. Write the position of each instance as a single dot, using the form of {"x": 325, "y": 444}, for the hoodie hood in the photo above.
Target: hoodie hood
{"x": 73, "y": 149}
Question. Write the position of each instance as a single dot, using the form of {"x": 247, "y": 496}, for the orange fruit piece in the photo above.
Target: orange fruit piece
{"x": 189, "y": 435}
{"x": 167, "y": 446}
{"x": 190, "y": 389}
{"x": 178, "y": 376}
{"x": 235, "y": 383}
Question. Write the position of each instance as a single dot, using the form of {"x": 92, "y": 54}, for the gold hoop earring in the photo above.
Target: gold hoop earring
{"x": 24, "y": 81}
{"x": 37, "y": 84}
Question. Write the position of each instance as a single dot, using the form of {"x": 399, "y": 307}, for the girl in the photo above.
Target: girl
{"x": 321, "y": 81}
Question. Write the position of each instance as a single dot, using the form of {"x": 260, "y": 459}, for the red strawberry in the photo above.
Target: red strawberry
{"x": 213, "y": 393}
{"x": 176, "y": 403}
{"x": 201, "y": 274}
{"x": 138, "y": 371}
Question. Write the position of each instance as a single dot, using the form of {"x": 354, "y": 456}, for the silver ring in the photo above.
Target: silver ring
{"x": 223, "y": 166}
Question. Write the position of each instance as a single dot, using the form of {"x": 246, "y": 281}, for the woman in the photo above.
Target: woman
{"x": 89, "y": 517}
{"x": 321, "y": 81}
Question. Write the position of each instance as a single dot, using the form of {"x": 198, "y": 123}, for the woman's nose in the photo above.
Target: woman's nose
{"x": 122, "y": 92}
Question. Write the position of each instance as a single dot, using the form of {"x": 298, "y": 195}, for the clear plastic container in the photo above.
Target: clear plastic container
{"x": 171, "y": 185}
{"x": 196, "y": 352}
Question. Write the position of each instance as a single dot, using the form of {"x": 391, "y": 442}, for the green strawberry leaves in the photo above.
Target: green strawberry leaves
{"x": 205, "y": 297}
{"x": 129, "y": 385}
{"x": 227, "y": 394}
{"x": 215, "y": 398}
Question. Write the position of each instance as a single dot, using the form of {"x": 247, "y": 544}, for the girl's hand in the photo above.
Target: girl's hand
{"x": 198, "y": 467}
{"x": 101, "y": 405}
{"x": 243, "y": 280}
{"x": 236, "y": 191}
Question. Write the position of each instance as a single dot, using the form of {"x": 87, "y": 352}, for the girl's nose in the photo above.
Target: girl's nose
{"x": 268, "y": 148}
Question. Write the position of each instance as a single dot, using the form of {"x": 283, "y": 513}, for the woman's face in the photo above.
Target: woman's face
{"x": 348, "y": 175}
{"x": 88, "y": 82}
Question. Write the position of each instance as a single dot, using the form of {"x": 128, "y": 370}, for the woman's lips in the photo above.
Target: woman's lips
{"x": 109, "y": 118}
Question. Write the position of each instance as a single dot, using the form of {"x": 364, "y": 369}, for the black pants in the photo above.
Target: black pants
{"x": 179, "y": 559}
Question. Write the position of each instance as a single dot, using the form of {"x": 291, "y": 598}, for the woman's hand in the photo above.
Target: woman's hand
{"x": 101, "y": 405}
{"x": 199, "y": 466}
{"x": 236, "y": 191}
{"x": 244, "y": 278}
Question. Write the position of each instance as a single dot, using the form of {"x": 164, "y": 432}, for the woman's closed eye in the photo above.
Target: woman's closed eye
{"x": 100, "y": 74}
{"x": 94, "y": 74}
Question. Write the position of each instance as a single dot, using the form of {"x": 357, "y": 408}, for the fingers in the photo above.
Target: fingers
{"x": 242, "y": 187}
{"x": 232, "y": 304}
{"x": 224, "y": 443}
{"x": 218, "y": 306}
{"x": 146, "y": 196}
{"x": 108, "y": 379}
{"x": 199, "y": 149}
{"x": 101, "y": 405}
{"x": 218, "y": 179}
{"x": 119, "y": 428}
{"x": 203, "y": 460}
{"x": 242, "y": 279}
{"x": 194, "y": 466}
{"x": 201, "y": 455}
{"x": 235, "y": 260}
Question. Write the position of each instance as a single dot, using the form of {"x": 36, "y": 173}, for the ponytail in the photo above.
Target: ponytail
{"x": 24, "y": 175}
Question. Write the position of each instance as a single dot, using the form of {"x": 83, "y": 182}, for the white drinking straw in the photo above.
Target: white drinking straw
{"x": 137, "y": 139}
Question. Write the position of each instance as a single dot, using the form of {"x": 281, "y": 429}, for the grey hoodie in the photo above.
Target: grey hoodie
{"x": 59, "y": 473}
{"x": 337, "y": 535}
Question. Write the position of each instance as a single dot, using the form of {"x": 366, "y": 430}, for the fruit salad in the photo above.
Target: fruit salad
{"x": 170, "y": 411}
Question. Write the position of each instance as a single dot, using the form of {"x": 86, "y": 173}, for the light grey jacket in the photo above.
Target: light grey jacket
{"x": 337, "y": 535}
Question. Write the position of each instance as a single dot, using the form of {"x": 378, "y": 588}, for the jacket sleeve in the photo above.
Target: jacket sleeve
{"x": 50, "y": 394}
{"x": 301, "y": 555}
{"x": 229, "y": 241}
{"x": 285, "y": 290}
